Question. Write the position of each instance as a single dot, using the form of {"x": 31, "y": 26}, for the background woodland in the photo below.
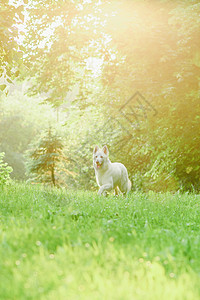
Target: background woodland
{"x": 74, "y": 74}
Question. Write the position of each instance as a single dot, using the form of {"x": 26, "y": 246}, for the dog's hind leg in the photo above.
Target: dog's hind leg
{"x": 126, "y": 187}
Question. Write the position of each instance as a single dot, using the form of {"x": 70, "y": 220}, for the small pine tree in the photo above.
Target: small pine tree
{"x": 44, "y": 157}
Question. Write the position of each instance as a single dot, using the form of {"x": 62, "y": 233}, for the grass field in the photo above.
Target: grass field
{"x": 76, "y": 245}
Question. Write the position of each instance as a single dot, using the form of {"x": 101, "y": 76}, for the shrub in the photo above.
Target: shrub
{"x": 5, "y": 171}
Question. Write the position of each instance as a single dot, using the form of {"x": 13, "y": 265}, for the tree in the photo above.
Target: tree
{"x": 11, "y": 16}
{"x": 61, "y": 38}
{"x": 21, "y": 120}
{"x": 146, "y": 46}
{"x": 160, "y": 45}
{"x": 44, "y": 158}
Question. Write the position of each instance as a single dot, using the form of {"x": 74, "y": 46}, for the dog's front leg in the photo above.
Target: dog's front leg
{"x": 105, "y": 187}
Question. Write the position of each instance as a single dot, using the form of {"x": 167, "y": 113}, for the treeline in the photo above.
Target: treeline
{"x": 125, "y": 74}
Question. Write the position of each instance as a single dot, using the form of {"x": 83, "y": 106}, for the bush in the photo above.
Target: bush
{"x": 5, "y": 171}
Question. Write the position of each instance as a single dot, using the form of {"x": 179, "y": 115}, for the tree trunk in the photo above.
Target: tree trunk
{"x": 53, "y": 176}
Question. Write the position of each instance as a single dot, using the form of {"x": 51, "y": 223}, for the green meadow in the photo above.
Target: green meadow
{"x": 60, "y": 244}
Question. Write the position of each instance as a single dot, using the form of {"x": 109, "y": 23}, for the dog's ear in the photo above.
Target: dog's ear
{"x": 96, "y": 148}
{"x": 105, "y": 149}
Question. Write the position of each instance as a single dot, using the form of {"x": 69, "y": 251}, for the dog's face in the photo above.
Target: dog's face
{"x": 100, "y": 156}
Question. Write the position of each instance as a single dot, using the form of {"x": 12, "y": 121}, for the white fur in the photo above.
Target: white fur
{"x": 109, "y": 175}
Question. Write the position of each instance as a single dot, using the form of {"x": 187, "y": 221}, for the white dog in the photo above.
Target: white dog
{"x": 109, "y": 175}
